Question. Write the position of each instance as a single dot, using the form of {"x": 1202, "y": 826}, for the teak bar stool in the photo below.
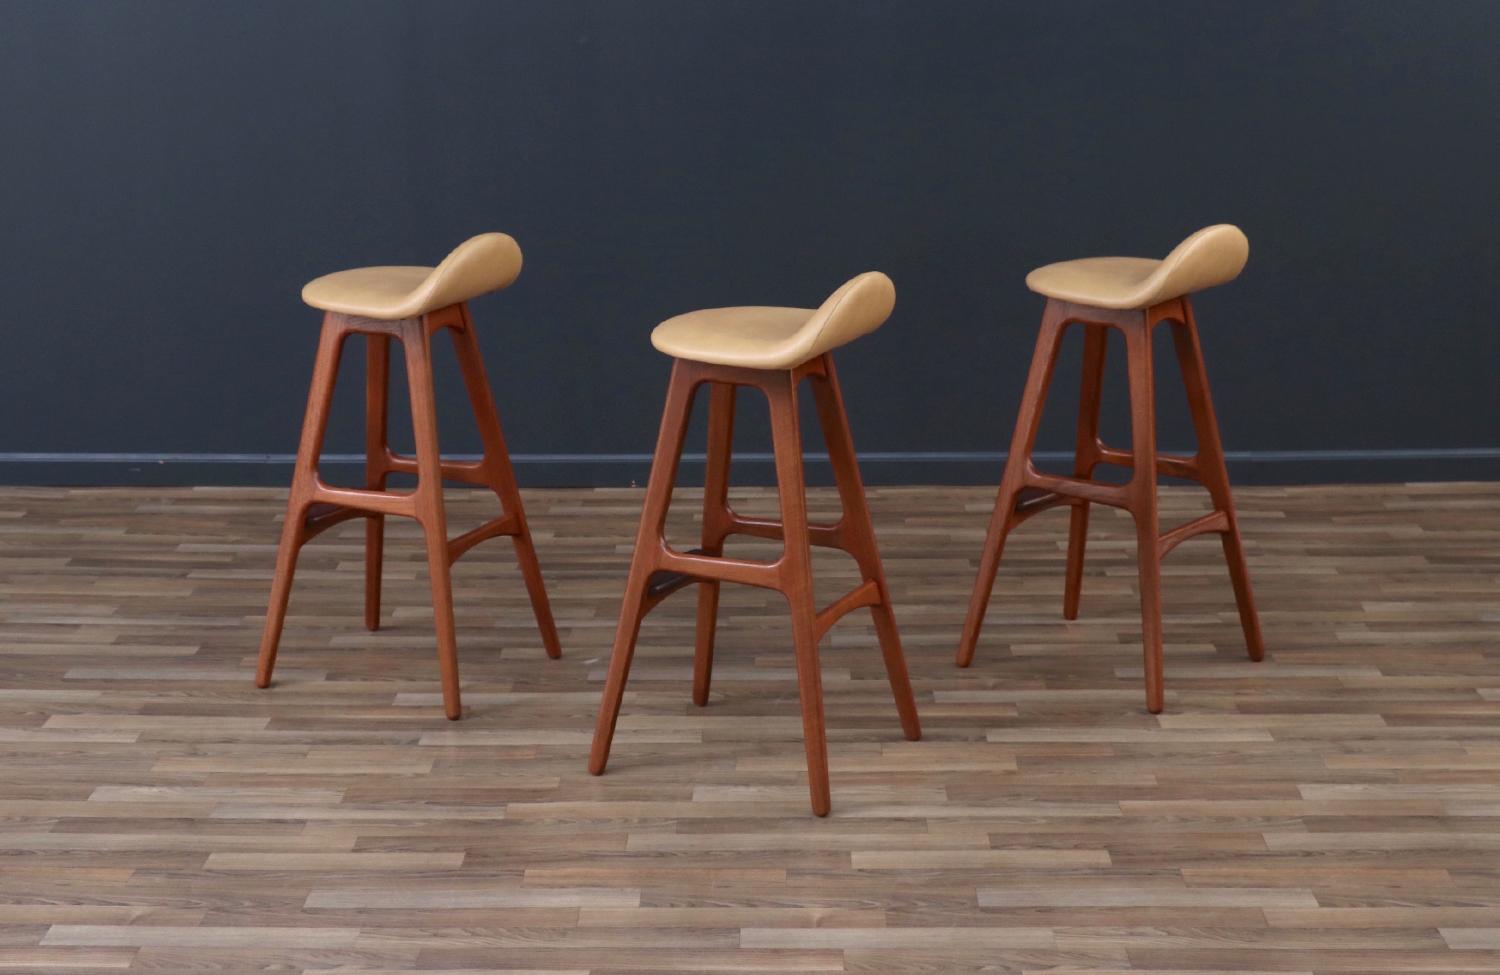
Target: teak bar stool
{"x": 773, "y": 350}
{"x": 1131, "y": 294}
{"x": 409, "y": 304}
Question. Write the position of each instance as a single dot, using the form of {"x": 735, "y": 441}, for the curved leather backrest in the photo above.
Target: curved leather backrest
{"x": 1212, "y": 256}
{"x": 858, "y": 307}
{"x": 478, "y": 266}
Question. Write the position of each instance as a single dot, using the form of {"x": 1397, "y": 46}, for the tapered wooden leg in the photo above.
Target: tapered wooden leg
{"x": 304, "y": 480}
{"x": 648, "y": 545}
{"x": 502, "y": 478}
{"x": 429, "y": 506}
{"x": 797, "y": 578}
{"x": 1143, "y": 505}
{"x": 281, "y": 588}
{"x": 1028, "y": 420}
{"x": 715, "y": 523}
{"x": 377, "y": 417}
{"x": 1085, "y": 459}
{"x": 1215, "y": 475}
{"x": 859, "y": 534}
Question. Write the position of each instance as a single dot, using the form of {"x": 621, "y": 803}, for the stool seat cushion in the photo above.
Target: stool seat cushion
{"x": 760, "y": 337}
{"x": 478, "y": 266}
{"x": 1212, "y": 256}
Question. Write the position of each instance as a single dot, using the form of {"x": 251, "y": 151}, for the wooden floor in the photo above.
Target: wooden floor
{"x": 1334, "y": 809}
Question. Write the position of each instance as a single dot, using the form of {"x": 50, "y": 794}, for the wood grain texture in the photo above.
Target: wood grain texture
{"x": 1333, "y": 810}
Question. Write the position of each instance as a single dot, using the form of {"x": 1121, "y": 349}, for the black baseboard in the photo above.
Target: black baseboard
{"x": 621, "y": 470}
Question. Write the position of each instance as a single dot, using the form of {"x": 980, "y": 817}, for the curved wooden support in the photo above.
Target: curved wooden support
{"x": 322, "y": 516}
{"x": 865, "y": 594}
{"x": 1038, "y": 501}
{"x": 1214, "y": 521}
{"x": 507, "y": 524}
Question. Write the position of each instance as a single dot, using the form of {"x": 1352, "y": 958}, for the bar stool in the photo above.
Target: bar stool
{"x": 1132, "y": 295}
{"x": 409, "y": 304}
{"x": 773, "y": 350}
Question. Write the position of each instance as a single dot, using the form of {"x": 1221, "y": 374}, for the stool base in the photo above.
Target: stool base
{"x": 1024, "y": 490}
{"x": 314, "y": 506}
{"x": 657, "y": 570}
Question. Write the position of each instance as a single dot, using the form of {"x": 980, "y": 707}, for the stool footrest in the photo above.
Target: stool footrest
{"x": 1214, "y": 521}
{"x": 696, "y": 565}
{"x": 823, "y": 536}
{"x": 1115, "y": 495}
{"x": 507, "y": 524}
{"x": 1172, "y": 465}
{"x": 471, "y": 472}
{"x": 865, "y": 594}
{"x": 376, "y": 502}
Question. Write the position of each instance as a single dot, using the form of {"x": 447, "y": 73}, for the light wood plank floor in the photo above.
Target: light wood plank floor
{"x": 1334, "y": 809}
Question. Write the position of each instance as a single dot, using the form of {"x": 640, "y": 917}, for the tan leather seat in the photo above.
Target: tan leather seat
{"x": 1212, "y": 256}
{"x": 759, "y": 337}
{"x": 478, "y": 266}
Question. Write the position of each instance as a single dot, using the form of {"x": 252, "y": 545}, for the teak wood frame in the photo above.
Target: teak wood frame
{"x": 657, "y": 570}
{"x": 1138, "y": 496}
{"x": 314, "y": 506}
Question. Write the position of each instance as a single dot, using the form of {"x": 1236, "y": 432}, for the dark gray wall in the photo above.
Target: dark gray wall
{"x": 174, "y": 171}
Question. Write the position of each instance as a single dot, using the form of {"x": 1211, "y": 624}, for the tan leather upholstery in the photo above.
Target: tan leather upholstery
{"x": 1212, "y": 256}
{"x": 758, "y": 337}
{"x": 478, "y": 266}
